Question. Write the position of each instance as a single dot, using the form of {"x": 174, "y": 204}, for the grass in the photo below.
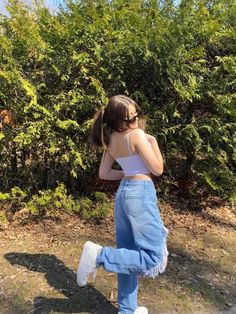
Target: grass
{"x": 38, "y": 266}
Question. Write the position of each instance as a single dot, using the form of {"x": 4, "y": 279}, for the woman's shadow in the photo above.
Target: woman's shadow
{"x": 61, "y": 278}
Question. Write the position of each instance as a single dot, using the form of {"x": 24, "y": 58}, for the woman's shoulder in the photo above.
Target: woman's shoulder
{"x": 132, "y": 136}
{"x": 127, "y": 133}
{"x": 132, "y": 132}
{"x": 136, "y": 133}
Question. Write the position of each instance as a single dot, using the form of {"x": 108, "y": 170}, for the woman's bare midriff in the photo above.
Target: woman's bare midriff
{"x": 139, "y": 177}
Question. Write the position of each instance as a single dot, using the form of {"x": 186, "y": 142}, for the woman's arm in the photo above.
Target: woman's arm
{"x": 152, "y": 140}
{"x": 105, "y": 170}
{"x": 149, "y": 151}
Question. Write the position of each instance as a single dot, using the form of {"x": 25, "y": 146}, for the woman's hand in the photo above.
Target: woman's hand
{"x": 151, "y": 139}
{"x": 105, "y": 170}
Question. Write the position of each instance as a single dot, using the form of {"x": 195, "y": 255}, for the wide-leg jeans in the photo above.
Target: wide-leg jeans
{"x": 140, "y": 239}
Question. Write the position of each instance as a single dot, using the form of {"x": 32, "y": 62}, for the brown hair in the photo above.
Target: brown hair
{"x": 112, "y": 118}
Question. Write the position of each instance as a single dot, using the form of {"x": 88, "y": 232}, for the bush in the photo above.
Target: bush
{"x": 177, "y": 61}
{"x": 53, "y": 202}
{"x": 50, "y": 201}
{"x": 97, "y": 208}
{"x": 3, "y": 219}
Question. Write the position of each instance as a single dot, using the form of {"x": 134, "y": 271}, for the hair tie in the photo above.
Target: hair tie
{"x": 103, "y": 116}
{"x": 102, "y": 131}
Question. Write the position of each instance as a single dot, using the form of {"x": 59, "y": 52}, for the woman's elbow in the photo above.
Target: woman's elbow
{"x": 157, "y": 171}
{"x": 102, "y": 175}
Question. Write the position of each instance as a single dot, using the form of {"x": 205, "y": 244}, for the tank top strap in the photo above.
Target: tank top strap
{"x": 127, "y": 137}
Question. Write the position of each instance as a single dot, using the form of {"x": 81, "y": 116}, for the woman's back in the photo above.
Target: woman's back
{"x": 123, "y": 150}
{"x": 121, "y": 144}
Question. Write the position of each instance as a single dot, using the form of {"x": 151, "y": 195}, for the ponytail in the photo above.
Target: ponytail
{"x": 102, "y": 129}
{"x": 100, "y": 133}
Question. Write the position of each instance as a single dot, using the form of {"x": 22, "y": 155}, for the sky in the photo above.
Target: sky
{"x": 51, "y": 4}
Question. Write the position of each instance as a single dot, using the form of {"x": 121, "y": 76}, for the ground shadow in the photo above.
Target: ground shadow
{"x": 195, "y": 208}
{"x": 214, "y": 283}
{"x": 218, "y": 221}
{"x": 60, "y": 277}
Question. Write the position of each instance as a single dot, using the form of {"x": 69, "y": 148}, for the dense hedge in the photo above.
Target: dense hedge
{"x": 178, "y": 62}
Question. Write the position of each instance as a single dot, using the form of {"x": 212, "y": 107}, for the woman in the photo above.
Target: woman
{"x": 140, "y": 233}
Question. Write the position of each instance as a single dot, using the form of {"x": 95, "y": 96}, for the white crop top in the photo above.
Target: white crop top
{"x": 133, "y": 164}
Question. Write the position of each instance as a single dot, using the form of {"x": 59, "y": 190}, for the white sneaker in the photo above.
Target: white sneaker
{"x": 141, "y": 310}
{"x": 87, "y": 264}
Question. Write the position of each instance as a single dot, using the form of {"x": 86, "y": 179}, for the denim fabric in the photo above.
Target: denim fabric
{"x": 140, "y": 238}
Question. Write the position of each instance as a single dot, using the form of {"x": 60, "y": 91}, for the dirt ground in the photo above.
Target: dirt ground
{"x": 38, "y": 264}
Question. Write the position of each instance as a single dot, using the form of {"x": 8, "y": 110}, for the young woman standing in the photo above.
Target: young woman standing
{"x": 140, "y": 233}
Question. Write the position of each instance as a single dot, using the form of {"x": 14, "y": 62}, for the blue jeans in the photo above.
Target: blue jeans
{"x": 140, "y": 239}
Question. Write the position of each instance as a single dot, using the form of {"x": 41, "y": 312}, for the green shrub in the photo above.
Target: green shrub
{"x": 86, "y": 207}
{"x": 100, "y": 197}
{"x": 50, "y": 201}
{"x": 96, "y": 207}
{"x": 3, "y": 219}
{"x": 4, "y": 196}
{"x": 13, "y": 200}
{"x": 177, "y": 61}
